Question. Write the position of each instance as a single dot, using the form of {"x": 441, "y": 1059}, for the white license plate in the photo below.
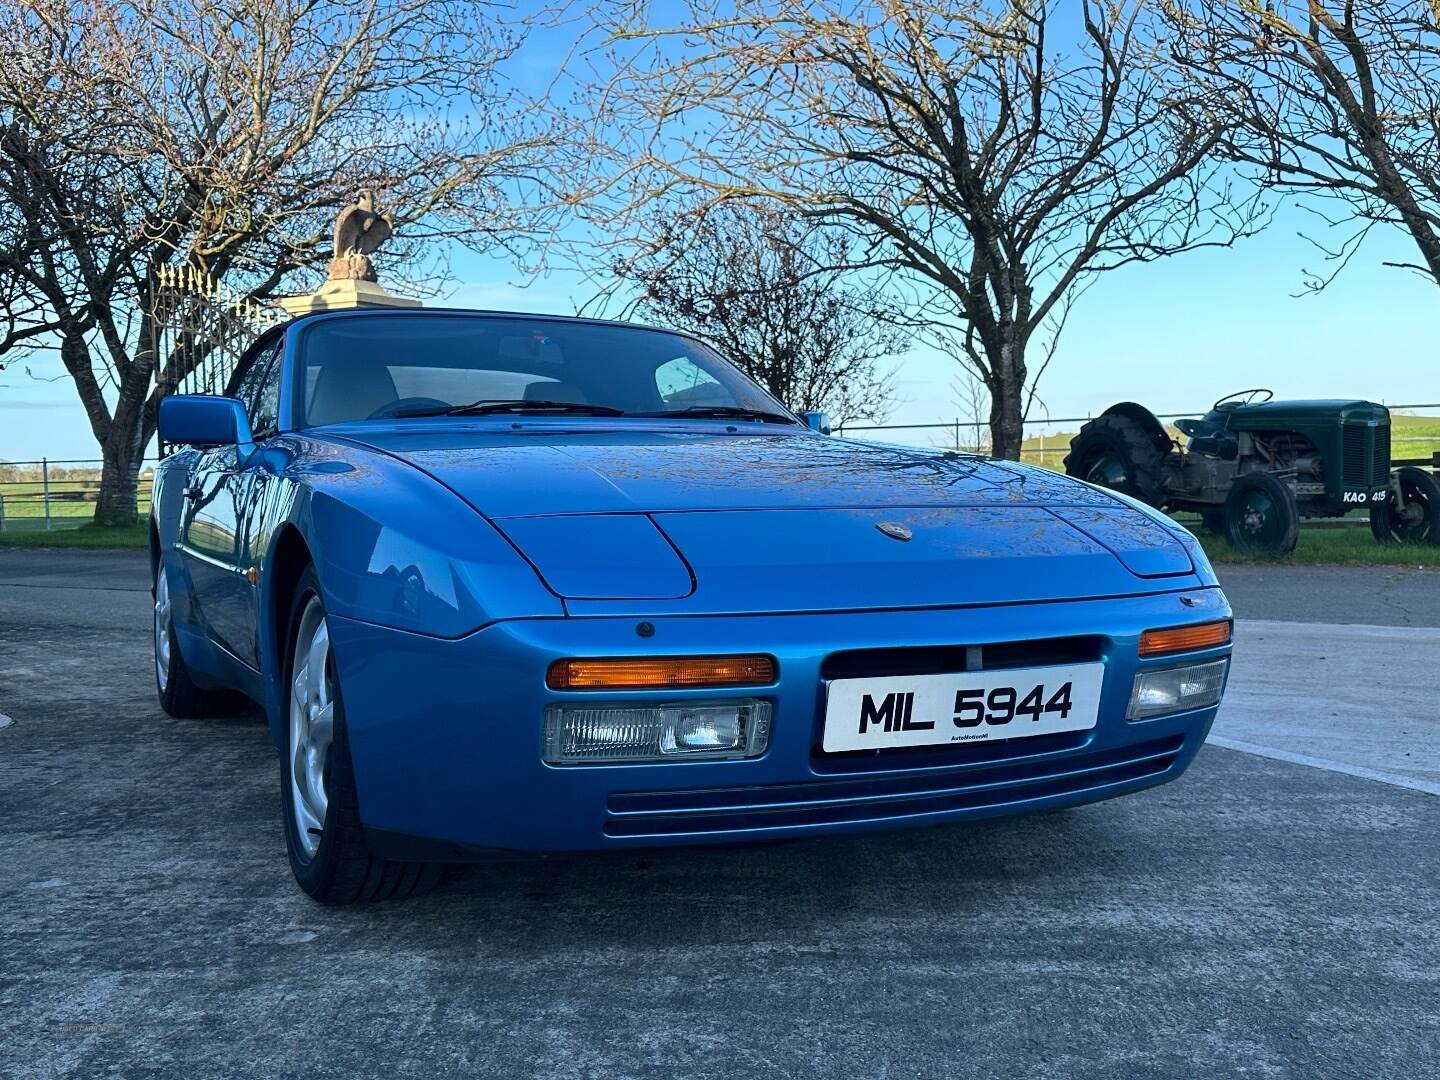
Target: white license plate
{"x": 974, "y": 706}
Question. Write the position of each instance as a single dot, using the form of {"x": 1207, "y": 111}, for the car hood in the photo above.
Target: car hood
{"x": 723, "y": 524}
{"x": 618, "y": 471}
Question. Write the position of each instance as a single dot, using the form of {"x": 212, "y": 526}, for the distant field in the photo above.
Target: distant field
{"x": 72, "y": 502}
{"x": 1424, "y": 429}
{"x": 1047, "y": 451}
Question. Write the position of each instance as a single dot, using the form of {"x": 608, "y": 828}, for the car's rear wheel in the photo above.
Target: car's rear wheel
{"x": 1261, "y": 517}
{"x": 1115, "y": 451}
{"x": 1412, "y": 516}
{"x": 323, "y": 834}
{"x": 179, "y": 694}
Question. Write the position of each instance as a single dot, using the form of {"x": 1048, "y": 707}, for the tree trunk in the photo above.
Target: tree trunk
{"x": 117, "y": 503}
{"x": 1006, "y": 384}
{"x": 119, "y": 434}
{"x": 123, "y": 447}
{"x": 122, "y": 451}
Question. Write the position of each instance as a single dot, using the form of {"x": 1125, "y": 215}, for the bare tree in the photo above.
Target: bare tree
{"x": 1340, "y": 101}
{"x": 136, "y": 133}
{"x": 755, "y": 282}
{"x": 972, "y": 407}
{"x": 996, "y": 160}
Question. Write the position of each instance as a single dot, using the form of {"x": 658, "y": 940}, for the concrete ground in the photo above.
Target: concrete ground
{"x": 1260, "y": 917}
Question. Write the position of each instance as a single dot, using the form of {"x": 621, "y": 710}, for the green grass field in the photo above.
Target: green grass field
{"x": 72, "y": 510}
{"x": 1403, "y": 428}
{"x": 72, "y": 503}
{"x": 87, "y": 535}
{"x": 1343, "y": 546}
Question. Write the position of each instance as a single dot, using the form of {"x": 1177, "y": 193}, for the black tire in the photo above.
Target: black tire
{"x": 341, "y": 870}
{"x": 1261, "y": 517}
{"x": 180, "y": 696}
{"x": 1116, "y": 451}
{"x": 1414, "y": 518}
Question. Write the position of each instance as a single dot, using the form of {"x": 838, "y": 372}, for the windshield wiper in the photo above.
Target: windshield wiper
{"x": 725, "y": 412}
{"x": 488, "y": 406}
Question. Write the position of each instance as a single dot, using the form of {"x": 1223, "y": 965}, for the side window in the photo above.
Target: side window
{"x": 265, "y": 412}
{"x": 683, "y": 383}
{"x": 244, "y": 388}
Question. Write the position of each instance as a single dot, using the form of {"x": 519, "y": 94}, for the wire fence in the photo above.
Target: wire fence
{"x": 56, "y": 493}
{"x": 60, "y": 493}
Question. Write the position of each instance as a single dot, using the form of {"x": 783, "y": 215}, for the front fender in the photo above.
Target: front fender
{"x": 394, "y": 547}
{"x": 167, "y": 507}
{"x": 391, "y": 547}
{"x": 167, "y": 496}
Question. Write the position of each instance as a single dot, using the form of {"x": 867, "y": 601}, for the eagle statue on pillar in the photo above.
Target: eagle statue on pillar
{"x": 359, "y": 230}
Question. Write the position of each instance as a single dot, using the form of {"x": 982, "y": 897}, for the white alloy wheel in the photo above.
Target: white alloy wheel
{"x": 312, "y": 725}
{"x": 162, "y": 630}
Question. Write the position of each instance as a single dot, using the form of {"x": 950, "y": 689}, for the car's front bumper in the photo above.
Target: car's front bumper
{"x": 446, "y": 734}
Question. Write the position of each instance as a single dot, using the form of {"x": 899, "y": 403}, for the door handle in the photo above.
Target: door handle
{"x": 192, "y": 493}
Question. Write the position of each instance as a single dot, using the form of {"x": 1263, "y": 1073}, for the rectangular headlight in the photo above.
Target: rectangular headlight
{"x": 700, "y": 731}
{"x": 1176, "y": 689}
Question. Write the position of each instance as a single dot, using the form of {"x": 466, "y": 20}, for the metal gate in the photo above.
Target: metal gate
{"x": 201, "y": 328}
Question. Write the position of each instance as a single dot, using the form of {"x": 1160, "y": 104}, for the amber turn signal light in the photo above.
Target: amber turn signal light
{"x": 661, "y": 673}
{"x": 1179, "y": 639}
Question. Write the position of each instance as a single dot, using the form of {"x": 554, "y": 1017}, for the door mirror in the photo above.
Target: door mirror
{"x": 204, "y": 420}
{"x": 818, "y": 421}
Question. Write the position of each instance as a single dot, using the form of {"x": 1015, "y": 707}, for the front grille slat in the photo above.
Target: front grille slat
{"x": 1365, "y": 455}
{"x": 827, "y": 793}
{"x": 1355, "y": 461}
{"x": 942, "y": 659}
{"x": 836, "y": 801}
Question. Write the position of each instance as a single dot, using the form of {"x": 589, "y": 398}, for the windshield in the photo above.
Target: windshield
{"x": 377, "y": 367}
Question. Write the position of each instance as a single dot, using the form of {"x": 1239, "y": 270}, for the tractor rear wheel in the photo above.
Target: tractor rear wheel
{"x": 1115, "y": 451}
{"x": 1261, "y": 517}
{"x": 1412, "y": 517}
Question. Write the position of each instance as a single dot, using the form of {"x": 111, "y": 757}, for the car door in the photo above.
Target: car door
{"x": 220, "y": 495}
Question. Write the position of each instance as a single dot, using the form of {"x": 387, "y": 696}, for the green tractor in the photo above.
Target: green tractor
{"x": 1252, "y": 468}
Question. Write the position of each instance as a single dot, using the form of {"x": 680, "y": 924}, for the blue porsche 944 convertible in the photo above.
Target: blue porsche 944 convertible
{"x": 511, "y": 583}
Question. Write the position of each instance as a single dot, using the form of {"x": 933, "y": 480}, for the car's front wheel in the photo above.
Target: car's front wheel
{"x": 323, "y": 833}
